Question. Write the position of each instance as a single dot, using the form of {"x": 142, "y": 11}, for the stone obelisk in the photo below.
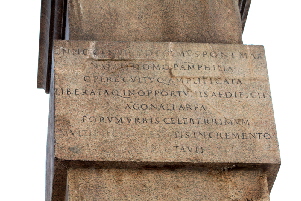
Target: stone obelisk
{"x": 155, "y": 100}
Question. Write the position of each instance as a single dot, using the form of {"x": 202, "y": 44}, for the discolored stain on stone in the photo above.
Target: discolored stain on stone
{"x": 75, "y": 150}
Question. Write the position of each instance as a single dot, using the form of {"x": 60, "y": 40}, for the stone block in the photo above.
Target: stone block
{"x": 189, "y": 184}
{"x": 148, "y": 104}
{"x": 163, "y": 102}
{"x": 200, "y": 21}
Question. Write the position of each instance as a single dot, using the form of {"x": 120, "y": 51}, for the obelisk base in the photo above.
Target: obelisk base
{"x": 163, "y": 184}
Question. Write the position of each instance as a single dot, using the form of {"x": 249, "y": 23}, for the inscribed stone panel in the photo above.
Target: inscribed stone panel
{"x": 163, "y": 102}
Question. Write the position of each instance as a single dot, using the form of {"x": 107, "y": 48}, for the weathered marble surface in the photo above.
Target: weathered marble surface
{"x": 200, "y": 21}
{"x": 163, "y": 102}
{"x": 176, "y": 105}
{"x": 132, "y": 184}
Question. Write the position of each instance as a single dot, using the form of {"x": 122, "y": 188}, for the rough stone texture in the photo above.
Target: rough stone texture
{"x": 133, "y": 184}
{"x": 160, "y": 104}
{"x": 163, "y": 102}
{"x": 206, "y": 21}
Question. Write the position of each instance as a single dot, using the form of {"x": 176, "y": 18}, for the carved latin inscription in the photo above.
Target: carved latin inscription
{"x": 162, "y": 102}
